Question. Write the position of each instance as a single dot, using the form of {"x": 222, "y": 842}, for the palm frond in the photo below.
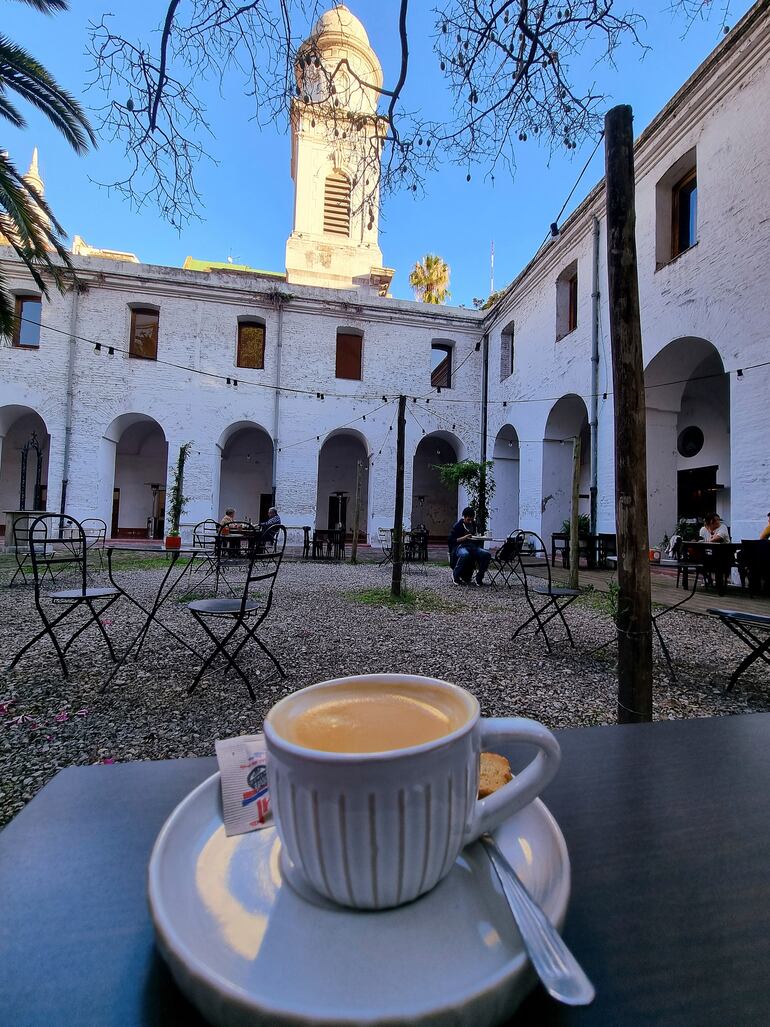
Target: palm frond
{"x": 34, "y": 233}
{"x": 9, "y": 112}
{"x": 46, "y": 6}
{"x": 7, "y": 310}
{"x": 23, "y": 74}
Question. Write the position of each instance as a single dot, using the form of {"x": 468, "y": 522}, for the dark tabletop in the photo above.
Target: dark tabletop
{"x": 667, "y": 825}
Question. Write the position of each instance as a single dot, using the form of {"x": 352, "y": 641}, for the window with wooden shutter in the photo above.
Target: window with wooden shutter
{"x": 349, "y": 356}
{"x": 337, "y": 205}
{"x": 251, "y": 345}
{"x": 573, "y": 303}
{"x": 684, "y": 213}
{"x": 441, "y": 365}
{"x": 506, "y": 350}
{"x": 143, "y": 343}
{"x": 567, "y": 301}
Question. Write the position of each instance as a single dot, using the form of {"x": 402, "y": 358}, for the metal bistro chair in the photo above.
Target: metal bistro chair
{"x": 95, "y": 531}
{"x": 246, "y": 613}
{"x": 534, "y": 556}
{"x": 234, "y": 546}
{"x": 45, "y": 534}
{"x": 504, "y": 565}
{"x": 384, "y": 536}
{"x": 204, "y": 538}
{"x": 20, "y": 535}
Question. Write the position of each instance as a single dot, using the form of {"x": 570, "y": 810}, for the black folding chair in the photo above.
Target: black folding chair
{"x": 57, "y": 540}
{"x": 234, "y": 546}
{"x": 545, "y": 599}
{"x": 247, "y": 614}
{"x": 504, "y": 565}
{"x": 20, "y": 543}
{"x": 386, "y": 544}
{"x": 95, "y": 531}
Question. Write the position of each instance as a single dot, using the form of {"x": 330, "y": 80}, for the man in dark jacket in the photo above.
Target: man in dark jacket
{"x": 465, "y": 552}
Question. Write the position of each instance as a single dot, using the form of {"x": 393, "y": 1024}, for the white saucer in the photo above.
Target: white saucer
{"x": 247, "y": 949}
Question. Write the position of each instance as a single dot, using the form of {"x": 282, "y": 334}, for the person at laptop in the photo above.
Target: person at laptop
{"x": 466, "y": 552}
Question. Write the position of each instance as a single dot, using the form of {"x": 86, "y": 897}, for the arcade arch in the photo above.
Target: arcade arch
{"x": 504, "y": 513}
{"x": 568, "y": 418}
{"x": 433, "y": 504}
{"x": 246, "y": 471}
{"x": 335, "y": 494}
{"x": 17, "y": 423}
{"x": 139, "y": 452}
{"x": 688, "y": 435}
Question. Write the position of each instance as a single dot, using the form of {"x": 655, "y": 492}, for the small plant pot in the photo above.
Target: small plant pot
{"x": 173, "y": 541}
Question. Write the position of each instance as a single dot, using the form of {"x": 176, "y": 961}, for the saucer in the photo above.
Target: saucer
{"x": 247, "y": 949}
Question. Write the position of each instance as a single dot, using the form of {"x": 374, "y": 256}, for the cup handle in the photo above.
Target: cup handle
{"x": 526, "y": 785}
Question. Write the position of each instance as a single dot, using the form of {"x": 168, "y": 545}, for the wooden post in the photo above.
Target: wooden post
{"x": 634, "y": 605}
{"x": 398, "y": 514}
{"x": 356, "y": 514}
{"x": 574, "y": 542}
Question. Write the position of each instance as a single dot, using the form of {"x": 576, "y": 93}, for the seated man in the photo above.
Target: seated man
{"x": 465, "y": 552}
{"x": 267, "y": 534}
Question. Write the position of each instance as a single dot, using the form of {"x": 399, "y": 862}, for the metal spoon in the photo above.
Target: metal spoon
{"x": 557, "y": 968}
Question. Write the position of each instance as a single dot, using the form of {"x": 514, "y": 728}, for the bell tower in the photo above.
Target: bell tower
{"x": 336, "y": 146}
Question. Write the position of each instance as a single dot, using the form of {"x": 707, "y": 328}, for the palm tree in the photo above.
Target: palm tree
{"x": 430, "y": 279}
{"x": 26, "y": 221}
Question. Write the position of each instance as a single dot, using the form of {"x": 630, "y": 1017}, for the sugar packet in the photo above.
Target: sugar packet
{"x": 243, "y": 770}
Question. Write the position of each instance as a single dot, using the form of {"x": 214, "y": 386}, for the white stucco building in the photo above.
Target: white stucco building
{"x": 282, "y": 382}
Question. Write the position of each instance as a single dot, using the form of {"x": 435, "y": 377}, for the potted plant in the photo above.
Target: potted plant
{"x": 477, "y": 480}
{"x": 177, "y": 500}
{"x": 584, "y": 526}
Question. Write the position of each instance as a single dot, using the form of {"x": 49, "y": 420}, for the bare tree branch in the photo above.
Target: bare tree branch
{"x": 515, "y": 70}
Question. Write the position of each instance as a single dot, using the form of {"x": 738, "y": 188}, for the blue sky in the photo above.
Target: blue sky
{"x": 248, "y": 195}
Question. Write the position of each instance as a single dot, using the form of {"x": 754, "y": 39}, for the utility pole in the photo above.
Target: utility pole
{"x": 574, "y": 542}
{"x": 634, "y": 619}
{"x": 356, "y": 514}
{"x": 398, "y": 514}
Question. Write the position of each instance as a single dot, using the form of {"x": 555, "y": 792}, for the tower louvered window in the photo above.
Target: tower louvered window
{"x": 337, "y": 205}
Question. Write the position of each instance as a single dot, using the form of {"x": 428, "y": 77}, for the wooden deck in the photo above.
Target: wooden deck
{"x": 665, "y": 592}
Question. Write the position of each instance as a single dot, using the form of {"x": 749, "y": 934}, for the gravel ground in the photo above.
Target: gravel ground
{"x": 318, "y": 630}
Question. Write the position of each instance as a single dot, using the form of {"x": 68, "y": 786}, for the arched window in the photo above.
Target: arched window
{"x": 337, "y": 205}
{"x": 251, "y": 344}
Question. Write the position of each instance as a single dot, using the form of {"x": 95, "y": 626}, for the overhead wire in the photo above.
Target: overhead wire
{"x": 363, "y": 397}
{"x": 317, "y": 436}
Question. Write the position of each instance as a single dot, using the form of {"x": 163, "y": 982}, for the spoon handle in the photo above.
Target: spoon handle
{"x": 561, "y": 974}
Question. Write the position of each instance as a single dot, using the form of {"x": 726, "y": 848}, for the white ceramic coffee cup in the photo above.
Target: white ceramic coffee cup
{"x": 374, "y": 830}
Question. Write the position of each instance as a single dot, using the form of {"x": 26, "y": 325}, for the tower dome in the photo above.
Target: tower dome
{"x": 340, "y": 21}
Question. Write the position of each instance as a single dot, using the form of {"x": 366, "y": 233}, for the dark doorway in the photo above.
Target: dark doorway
{"x": 697, "y": 492}
{"x": 115, "y": 512}
{"x": 338, "y": 511}
{"x": 265, "y": 502}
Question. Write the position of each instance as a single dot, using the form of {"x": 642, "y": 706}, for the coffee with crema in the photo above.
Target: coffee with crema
{"x": 373, "y": 719}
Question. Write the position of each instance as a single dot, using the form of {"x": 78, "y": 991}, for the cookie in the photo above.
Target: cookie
{"x": 495, "y": 771}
